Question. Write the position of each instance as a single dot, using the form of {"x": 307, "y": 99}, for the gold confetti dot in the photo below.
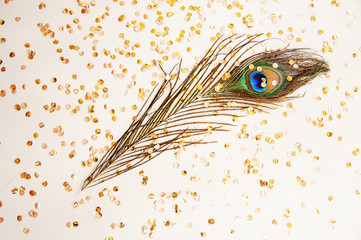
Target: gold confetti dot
{"x": 42, "y": 5}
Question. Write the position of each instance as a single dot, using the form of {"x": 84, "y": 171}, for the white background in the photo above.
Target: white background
{"x": 311, "y": 212}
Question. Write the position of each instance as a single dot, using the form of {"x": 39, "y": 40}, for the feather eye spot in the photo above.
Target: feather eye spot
{"x": 258, "y": 81}
{"x": 262, "y": 79}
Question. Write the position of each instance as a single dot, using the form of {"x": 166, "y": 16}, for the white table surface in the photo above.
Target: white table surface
{"x": 327, "y": 207}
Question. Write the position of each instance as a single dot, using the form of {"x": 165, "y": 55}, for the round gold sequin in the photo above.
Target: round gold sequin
{"x": 329, "y": 134}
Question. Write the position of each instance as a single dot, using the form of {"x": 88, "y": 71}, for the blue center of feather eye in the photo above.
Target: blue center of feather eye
{"x": 256, "y": 79}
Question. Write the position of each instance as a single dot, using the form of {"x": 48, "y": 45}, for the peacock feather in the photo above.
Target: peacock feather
{"x": 224, "y": 81}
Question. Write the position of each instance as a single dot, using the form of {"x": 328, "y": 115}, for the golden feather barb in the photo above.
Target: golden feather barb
{"x": 207, "y": 91}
